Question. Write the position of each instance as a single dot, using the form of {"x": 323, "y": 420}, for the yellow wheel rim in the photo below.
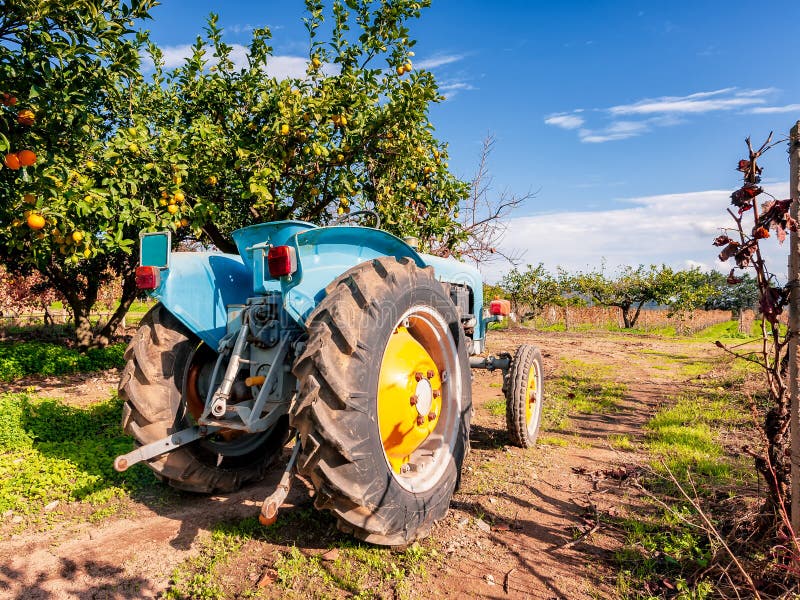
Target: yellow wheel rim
{"x": 532, "y": 396}
{"x": 409, "y": 398}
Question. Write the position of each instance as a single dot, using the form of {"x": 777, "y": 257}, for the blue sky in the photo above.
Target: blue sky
{"x": 625, "y": 118}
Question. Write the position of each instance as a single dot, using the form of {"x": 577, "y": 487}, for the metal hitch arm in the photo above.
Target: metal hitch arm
{"x": 491, "y": 362}
{"x": 167, "y": 444}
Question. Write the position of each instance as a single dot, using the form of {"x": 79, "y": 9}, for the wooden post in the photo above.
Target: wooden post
{"x": 794, "y": 325}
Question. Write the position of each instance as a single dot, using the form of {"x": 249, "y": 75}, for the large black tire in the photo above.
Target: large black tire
{"x": 336, "y": 409}
{"x": 524, "y": 390}
{"x": 152, "y": 386}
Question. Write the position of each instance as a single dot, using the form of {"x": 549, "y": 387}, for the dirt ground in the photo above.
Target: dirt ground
{"x": 521, "y": 526}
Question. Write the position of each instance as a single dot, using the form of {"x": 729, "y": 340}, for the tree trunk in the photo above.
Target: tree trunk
{"x": 636, "y": 314}
{"x": 106, "y": 332}
{"x": 626, "y": 316}
{"x": 84, "y": 336}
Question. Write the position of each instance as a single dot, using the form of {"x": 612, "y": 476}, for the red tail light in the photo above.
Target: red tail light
{"x": 147, "y": 278}
{"x": 281, "y": 260}
{"x": 500, "y": 307}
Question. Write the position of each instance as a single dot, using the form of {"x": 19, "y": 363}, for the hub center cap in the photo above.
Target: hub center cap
{"x": 424, "y": 393}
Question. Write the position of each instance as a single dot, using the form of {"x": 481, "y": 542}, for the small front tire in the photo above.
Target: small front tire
{"x": 524, "y": 390}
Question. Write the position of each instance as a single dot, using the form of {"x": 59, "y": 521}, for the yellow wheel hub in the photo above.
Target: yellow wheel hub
{"x": 531, "y": 395}
{"x": 409, "y": 397}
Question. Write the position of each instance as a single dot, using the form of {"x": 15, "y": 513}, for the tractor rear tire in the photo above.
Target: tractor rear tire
{"x": 152, "y": 386}
{"x": 523, "y": 388}
{"x": 379, "y": 497}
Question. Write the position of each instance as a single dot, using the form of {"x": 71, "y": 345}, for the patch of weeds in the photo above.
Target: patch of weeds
{"x": 196, "y": 578}
{"x": 496, "y": 407}
{"x": 684, "y": 435}
{"x": 50, "y": 451}
{"x": 551, "y": 440}
{"x": 661, "y": 554}
{"x": 580, "y": 388}
{"x": 18, "y": 359}
{"x": 360, "y": 570}
{"x": 620, "y": 441}
{"x": 726, "y": 330}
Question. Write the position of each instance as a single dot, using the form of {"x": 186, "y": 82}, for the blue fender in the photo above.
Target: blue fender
{"x": 197, "y": 288}
{"x": 325, "y": 253}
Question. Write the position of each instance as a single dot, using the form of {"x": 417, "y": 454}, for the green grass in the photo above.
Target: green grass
{"x": 661, "y": 548}
{"x": 20, "y": 359}
{"x": 580, "y": 388}
{"x": 551, "y": 440}
{"x": 684, "y": 435}
{"x": 620, "y": 441}
{"x": 50, "y": 451}
{"x": 357, "y": 571}
{"x": 496, "y": 407}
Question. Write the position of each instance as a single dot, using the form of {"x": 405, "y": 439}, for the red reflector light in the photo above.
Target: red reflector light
{"x": 500, "y": 307}
{"x": 147, "y": 278}
{"x": 281, "y": 260}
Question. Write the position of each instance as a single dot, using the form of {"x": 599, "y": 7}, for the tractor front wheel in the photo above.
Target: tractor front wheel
{"x": 384, "y": 403}
{"x": 164, "y": 384}
{"x": 524, "y": 390}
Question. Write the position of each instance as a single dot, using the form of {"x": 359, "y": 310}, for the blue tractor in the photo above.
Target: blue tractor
{"x": 344, "y": 338}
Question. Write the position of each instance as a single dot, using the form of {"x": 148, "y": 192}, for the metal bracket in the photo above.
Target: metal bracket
{"x": 167, "y": 444}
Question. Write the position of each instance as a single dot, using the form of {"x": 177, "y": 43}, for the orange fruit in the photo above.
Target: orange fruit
{"x": 35, "y": 221}
{"x": 26, "y": 158}
{"x": 77, "y": 236}
{"x": 7, "y": 99}
{"x": 212, "y": 180}
{"x": 12, "y": 161}
{"x": 316, "y": 62}
{"x": 26, "y": 117}
{"x": 184, "y": 222}
{"x": 178, "y": 197}
{"x": 284, "y": 129}
{"x": 172, "y": 209}
{"x": 401, "y": 69}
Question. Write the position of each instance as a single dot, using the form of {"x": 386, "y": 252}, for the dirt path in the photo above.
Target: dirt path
{"x": 510, "y": 533}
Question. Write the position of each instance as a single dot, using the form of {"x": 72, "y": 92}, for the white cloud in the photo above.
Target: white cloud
{"x": 625, "y": 121}
{"x": 702, "y": 102}
{"x": 764, "y": 110}
{"x": 565, "y": 120}
{"x": 284, "y": 67}
{"x": 438, "y": 60}
{"x": 676, "y": 229}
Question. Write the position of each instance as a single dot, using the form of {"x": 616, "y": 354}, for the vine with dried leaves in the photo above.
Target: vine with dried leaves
{"x": 753, "y": 223}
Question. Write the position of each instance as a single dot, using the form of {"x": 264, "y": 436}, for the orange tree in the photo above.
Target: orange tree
{"x": 208, "y": 147}
{"x": 351, "y": 133}
{"x": 75, "y": 186}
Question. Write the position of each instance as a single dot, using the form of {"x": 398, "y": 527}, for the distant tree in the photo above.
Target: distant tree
{"x": 735, "y": 295}
{"x": 629, "y": 290}
{"x": 533, "y": 289}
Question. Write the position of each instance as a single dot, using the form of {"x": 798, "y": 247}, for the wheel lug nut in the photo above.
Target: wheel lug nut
{"x": 420, "y": 420}
{"x": 436, "y": 393}
{"x": 414, "y": 400}
{"x": 418, "y": 376}
{"x": 430, "y": 374}
{"x": 431, "y": 416}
